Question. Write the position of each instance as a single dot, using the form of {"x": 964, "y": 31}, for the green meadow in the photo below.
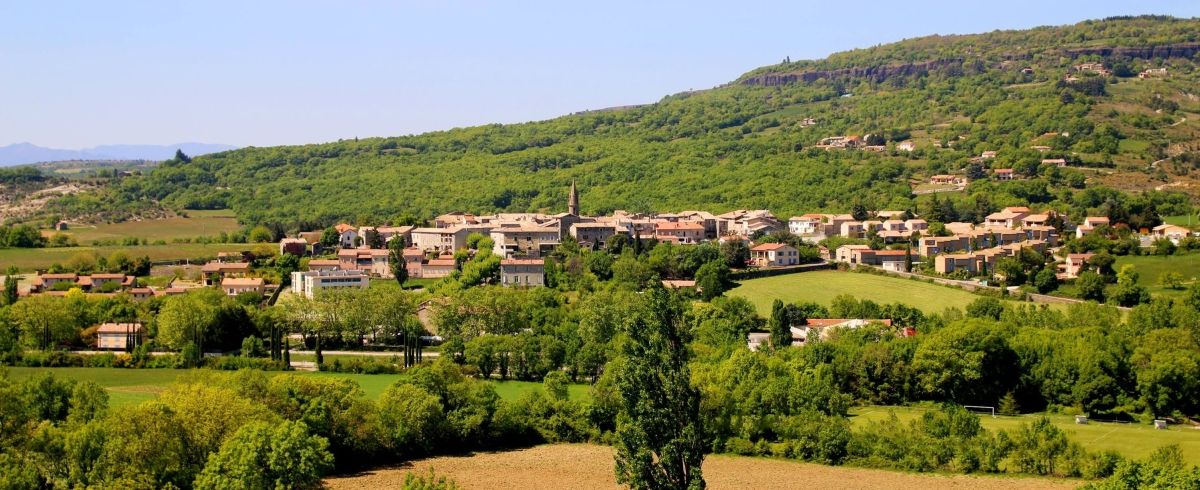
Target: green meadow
{"x": 1135, "y": 441}
{"x": 131, "y": 386}
{"x": 822, "y": 286}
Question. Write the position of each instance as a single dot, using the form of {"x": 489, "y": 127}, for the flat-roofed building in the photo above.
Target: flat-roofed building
{"x": 309, "y": 283}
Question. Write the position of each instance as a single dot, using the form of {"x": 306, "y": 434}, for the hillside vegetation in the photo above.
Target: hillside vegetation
{"x": 747, "y": 144}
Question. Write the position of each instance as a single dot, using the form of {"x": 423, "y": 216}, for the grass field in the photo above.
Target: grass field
{"x": 591, "y": 466}
{"x": 1182, "y": 220}
{"x": 130, "y": 386}
{"x": 28, "y": 259}
{"x": 822, "y": 286}
{"x": 1151, "y": 267}
{"x": 1130, "y": 440}
{"x": 159, "y": 229}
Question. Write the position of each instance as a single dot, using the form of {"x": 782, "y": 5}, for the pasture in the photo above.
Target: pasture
{"x": 1135, "y": 441}
{"x": 591, "y": 466}
{"x": 29, "y": 259}
{"x": 1151, "y": 267}
{"x": 208, "y": 223}
{"x": 822, "y": 286}
{"x": 131, "y": 386}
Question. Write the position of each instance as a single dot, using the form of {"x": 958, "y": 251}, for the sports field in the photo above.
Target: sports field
{"x": 822, "y": 286}
{"x": 1135, "y": 441}
{"x": 571, "y": 466}
{"x": 207, "y": 223}
{"x": 28, "y": 259}
{"x": 129, "y": 386}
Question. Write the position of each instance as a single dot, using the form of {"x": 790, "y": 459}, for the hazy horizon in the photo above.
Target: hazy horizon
{"x": 269, "y": 73}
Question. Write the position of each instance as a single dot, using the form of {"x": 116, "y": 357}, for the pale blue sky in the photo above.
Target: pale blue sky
{"x": 81, "y": 73}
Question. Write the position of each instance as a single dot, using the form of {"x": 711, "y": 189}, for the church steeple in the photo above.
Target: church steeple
{"x": 573, "y": 201}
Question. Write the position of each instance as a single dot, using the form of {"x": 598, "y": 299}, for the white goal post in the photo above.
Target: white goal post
{"x": 981, "y": 409}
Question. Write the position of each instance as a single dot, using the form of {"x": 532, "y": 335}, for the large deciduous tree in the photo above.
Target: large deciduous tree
{"x": 660, "y": 441}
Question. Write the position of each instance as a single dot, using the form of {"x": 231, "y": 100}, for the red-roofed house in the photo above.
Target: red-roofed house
{"x": 774, "y": 255}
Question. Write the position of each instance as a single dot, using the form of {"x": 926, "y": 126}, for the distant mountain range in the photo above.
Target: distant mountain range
{"x": 23, "y": 153}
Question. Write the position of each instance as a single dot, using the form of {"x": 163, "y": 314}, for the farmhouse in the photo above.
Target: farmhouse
{"x": 119, "y": 336}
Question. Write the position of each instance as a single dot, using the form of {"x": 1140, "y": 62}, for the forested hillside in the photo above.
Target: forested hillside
{"x": 750, "y": 143}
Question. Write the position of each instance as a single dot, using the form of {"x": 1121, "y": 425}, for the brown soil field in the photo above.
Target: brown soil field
{"x": 576, "y": 466}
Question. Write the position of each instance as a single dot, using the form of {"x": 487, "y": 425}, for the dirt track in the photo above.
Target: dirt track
{"x": 582, "y": 466}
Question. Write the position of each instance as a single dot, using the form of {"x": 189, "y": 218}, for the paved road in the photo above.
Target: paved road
{"x": 361, "y": 353}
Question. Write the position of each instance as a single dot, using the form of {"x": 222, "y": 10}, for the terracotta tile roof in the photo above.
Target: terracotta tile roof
{"x": 769, "y": 246}
{"x": 119, "y": 328}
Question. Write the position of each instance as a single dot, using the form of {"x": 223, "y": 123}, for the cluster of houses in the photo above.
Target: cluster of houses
{"x": 971, "y": 247}
{"x": 851, "y": 142}
{"x": 815, "y": 329}
{"x": 521, "y": 240}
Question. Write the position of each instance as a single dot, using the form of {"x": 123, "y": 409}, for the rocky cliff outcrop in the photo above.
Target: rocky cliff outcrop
{"x": 879, "y": 73}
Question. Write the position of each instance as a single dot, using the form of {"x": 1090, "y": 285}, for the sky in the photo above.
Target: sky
{"x": 76, "y": 74}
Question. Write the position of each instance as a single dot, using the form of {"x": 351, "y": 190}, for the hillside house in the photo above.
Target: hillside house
{"x": 987, "y": 155}
{"x": 347, "y": 235}
{"x": 947, "y": 179}
{"x": 234, "y": 286}
{"x": 1057, "y": 162}
{"x": 324, "y": 265}
{"x": 1153, "y": 73}
{"x": 1073, "y": 265}
{"x": 523, "y": 272}
{"x": 1007, "y": 217}
{"x": 1174, "y": 233}
{"x": 119, "y": 336}
{"x": 774, "y": 255}
{"x": 802, "y": 225}
{"x": 1089, "y": 225}
{"x": 1003, "y": 174}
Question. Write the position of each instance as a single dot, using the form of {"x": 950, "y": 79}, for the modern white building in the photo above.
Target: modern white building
{"x": 308, "y": 283}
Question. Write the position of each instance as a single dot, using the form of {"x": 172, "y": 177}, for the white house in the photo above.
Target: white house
{"x": 308, "y": 283}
